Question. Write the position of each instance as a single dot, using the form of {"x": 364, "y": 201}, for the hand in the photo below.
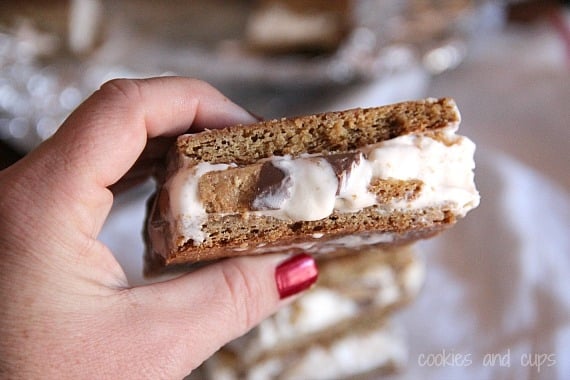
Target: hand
{"x": 66, "y": 309}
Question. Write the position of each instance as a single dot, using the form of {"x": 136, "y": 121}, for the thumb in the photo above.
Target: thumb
{"x": 201, "y": 311}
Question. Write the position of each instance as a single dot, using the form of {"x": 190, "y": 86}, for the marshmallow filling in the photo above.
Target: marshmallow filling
{"x": 312, "y": 187}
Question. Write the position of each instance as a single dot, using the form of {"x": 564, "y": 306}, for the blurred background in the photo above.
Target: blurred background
{"x": 499, "y": 281}
{"x": 274, "y": 57}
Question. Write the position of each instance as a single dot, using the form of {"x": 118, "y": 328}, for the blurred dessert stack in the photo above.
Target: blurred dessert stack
{"x": 298, "y": 26}
{"x": 72, "y": 26}
{"x": 342, "y": 328}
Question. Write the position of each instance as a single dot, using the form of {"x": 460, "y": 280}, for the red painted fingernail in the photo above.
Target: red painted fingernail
{"x": 295, "y": 274}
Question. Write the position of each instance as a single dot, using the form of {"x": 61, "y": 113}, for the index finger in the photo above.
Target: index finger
{"x": 103, "y": 138}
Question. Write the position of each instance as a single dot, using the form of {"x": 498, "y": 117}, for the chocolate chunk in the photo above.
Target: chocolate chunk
{"x": 342, "y": 164}
{"x": 273, "y": 188}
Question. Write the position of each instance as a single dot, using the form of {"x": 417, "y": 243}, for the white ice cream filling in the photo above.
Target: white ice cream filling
{"x": 313, "y": 183}
{"x": 445, "y": 166}
{"x": 186, "y": 208}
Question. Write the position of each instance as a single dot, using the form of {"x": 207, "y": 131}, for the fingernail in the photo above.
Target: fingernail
{"x": 295, "y": 274}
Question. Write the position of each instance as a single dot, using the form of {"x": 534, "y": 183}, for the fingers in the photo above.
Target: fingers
{"x": 204, "y": 310}
{"x": 150, "y": 163}
{"x": 103, "y": 138}
{"x": 109, "y": 130}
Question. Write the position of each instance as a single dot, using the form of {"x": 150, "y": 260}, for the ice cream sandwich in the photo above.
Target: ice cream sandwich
{"x": 339, "y": 329}
{"x": 365, "y": 350}
{"x": 320, "y": 183}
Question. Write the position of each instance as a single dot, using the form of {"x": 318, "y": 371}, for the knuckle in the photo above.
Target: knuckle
{"x": 244, "y": 293}
{"x": 129, "y": 89}
{"x": 202, "y": 86}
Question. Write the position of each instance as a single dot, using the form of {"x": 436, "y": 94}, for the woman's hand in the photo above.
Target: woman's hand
{"x": 66, "y": 309}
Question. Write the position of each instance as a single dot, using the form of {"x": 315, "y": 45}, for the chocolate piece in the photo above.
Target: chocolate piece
{"x": 342, "y": 164}
{"x": 273, "y": 188}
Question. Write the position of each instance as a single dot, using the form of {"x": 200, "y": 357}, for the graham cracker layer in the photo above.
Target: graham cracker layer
{"x": 329, "y": 132}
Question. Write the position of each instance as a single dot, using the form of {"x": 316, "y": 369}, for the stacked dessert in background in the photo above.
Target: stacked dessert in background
{"x": 341, "y": 328}
{"x": 298, "y": 26}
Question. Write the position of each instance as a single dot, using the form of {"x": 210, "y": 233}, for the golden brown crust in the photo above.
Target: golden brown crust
{"x": 231, "y": 190}
{"x": 389, "y": 190}
{"x": 329, "y": 132}
{"x": 246, "y": 232}
{"x": 402, "y": 229}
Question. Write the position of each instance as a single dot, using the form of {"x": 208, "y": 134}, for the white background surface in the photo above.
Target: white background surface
{"x": 498, "y": 283}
